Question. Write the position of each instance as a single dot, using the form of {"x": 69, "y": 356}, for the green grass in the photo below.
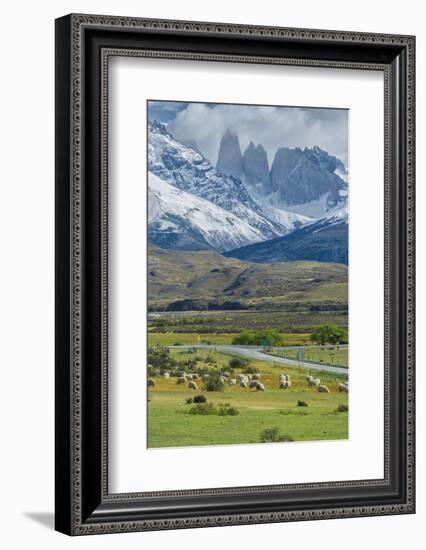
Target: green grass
{"x": 326, "y": 356}
{"x": 171, "y": 338}
{"x": 170, "y": 425}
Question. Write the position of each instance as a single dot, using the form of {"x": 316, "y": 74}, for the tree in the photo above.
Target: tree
{"x": 264, "y": 337}
{"x": 329, "y": 333}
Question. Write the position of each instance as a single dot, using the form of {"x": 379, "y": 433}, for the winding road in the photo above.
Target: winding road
{"x": 256, "y": 353}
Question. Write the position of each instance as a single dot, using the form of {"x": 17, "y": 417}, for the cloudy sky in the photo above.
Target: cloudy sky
{"x": 204, "y": 124}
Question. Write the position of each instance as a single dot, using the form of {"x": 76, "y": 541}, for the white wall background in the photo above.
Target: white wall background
{"x": 27, "y": 261}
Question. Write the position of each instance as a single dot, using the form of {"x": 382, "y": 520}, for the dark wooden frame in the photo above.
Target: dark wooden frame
{"x": 83, "y": 46}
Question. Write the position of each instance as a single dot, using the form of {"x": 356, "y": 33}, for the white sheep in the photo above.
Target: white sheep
{"x": 233, "y": 382}
{"x": 323, "y": 389}
{"x": 343, "y": 387}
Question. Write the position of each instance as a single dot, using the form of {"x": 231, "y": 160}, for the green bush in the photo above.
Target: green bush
{"x": 272, "y": 435}
{"x": 342, "y": 408}
{"x": 214, "y": 383}
{"x": 203, "y": 409}
{"x": 302, "y": 403}
{"x": 225, "y": 409}
{"x": 188, "y": 401}
{"x": 238, "y": 363}
{"x": 200, "y": 399}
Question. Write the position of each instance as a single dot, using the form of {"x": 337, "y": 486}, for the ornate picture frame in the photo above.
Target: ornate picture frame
{"x": 84, "y": 44}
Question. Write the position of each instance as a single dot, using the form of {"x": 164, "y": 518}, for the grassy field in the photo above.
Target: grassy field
{"x": 171, "y": 425}
{"x": 173, "y": 338}
{"x": 328, "y": 356}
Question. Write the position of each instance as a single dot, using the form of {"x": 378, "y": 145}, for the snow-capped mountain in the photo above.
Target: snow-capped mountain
{"x": 308, "y": 177}
{"x": 296, "y": 210}
{"x": 181, "y": 220}
{"x": 188, "y": 170}
{"x": 306, "y": 181}
{"x": 324, "y": 240}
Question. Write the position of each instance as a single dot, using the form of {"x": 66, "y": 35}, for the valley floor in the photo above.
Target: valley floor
{"x": 170, "y": 423}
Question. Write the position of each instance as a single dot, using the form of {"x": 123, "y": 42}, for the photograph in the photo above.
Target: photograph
{"x": 247, "y": 273}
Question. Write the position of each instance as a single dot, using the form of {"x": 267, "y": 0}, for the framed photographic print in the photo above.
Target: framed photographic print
{"x": 234, "y": 274}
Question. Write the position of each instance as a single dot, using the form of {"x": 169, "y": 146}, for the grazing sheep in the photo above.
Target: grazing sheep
{"x": 192, "y": 386}
{"x": 166, "y": 375}
{"x": 260, "y": 387}
{"x": 343, "y": 387}
{"x": 253, "y": 384}
{"x": 284, "y": 384}
{"x": 181, "y": 380}
{"x": 323, "y": 389}
{"x": 243, "y": 383}
{"x": 309, "y": 378}
{"x": 222, "y": 379}
{"x": 233, "y": 382}
{"x": 255, "y": 377}
{"x": 314, "y": 382}
{"x": 151, "y": 382}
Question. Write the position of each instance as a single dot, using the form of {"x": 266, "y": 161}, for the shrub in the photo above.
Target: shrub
{"x": 203, "y": 409}
{"x": 272, "y": 435}
{"x": 342, "y": 408}
{"x": 249, "y": 370}
{"x": 302, "y": 403}
{"x": 153, "y": 372}
{"x": 238, "y": 363}
{"x": 177, "y": 344}
{"x": 225, "y": 409}
{"x": 200, "y": 399}
{"x": 188, "y": 401}
{"x": 214, "y": 383}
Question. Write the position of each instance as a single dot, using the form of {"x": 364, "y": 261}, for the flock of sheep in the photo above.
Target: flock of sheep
{"x": 248, "y": 381}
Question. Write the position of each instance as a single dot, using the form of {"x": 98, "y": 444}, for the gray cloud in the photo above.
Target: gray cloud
{"x": 273, "y": 127}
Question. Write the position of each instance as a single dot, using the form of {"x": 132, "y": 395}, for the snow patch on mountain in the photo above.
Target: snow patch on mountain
{"x": 185, "y": 168}
{"x": 178, "y": 219}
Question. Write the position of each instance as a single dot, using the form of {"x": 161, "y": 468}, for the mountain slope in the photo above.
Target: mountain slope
{"x": 180, "y": 220}
{"x": 186, "y": 169}
{"x": 180, "y": 281}
{"x": 325, "y": 240}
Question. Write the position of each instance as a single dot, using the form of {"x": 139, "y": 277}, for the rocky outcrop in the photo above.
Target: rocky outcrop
{"x": 230, "y": 160}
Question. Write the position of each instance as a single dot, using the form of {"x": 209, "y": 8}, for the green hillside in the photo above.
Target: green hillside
{"x": 181, "y": 281}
